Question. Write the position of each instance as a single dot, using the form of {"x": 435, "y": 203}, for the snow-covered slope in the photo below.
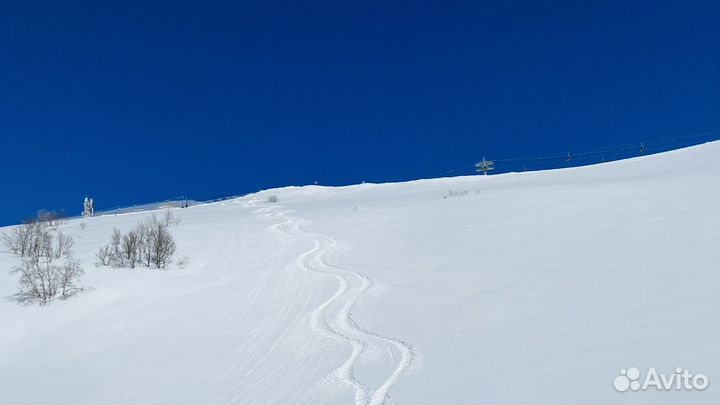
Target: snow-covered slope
{"x": 533, "y": 287}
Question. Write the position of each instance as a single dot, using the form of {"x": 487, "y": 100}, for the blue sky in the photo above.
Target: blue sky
{"x": 132, "y": 102}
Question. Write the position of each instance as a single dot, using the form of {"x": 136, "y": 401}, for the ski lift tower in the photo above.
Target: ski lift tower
{"x": 485, "y": 166}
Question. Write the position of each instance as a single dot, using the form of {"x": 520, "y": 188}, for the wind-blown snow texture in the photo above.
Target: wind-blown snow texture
{"x": 530, "y": 288}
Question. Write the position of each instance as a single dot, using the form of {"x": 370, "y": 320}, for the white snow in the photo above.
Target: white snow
{"x": 532, "y": 287}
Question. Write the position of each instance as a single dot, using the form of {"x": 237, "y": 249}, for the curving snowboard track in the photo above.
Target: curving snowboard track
{"x": 333, "y": 318}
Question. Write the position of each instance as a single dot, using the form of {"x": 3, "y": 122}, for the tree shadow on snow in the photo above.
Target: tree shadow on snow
{"x": 21, "y": 299}
{"x": 26, "y": 299}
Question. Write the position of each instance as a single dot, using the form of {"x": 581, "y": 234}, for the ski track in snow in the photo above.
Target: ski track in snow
{"x": 341, "y": 325}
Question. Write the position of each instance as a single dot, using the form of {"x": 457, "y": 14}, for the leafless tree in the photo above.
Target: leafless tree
{"x": 43, "y": 278}
{"x": 169, "y": 219}
{"x": 21, "y": 239}
{"x": 70, "y": 273}
{"x": 116, "y": 256}
{"x": 143, "y": 231}
{"x": 130, "y": 249}
{"x": 62, "y": 245}
{"x": 162, "y": 244}
{"x": 41, "y": 243}
{"x": 102, "y": 256}
{"x": 37, "y": 281}
{"x": 10, "y": 241}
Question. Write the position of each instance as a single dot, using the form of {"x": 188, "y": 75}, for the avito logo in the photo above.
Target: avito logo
{"x": 629, "y": 379}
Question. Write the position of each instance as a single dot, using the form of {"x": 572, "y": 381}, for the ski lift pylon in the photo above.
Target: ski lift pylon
{"x": 485, "y": 166}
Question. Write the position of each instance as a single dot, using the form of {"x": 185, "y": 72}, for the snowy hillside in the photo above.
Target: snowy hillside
{"x": 532, "y": 287}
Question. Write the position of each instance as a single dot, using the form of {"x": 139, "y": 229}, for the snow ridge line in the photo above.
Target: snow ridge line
{"x": 342, "y": 326}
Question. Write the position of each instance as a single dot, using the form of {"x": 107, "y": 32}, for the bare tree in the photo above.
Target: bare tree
{"x": 10, "y": 241}
{"x": 36, "y": 281}
{"x": 162, "y": 244}
{"x": 143, "y": 231}
{"x": 112, "y": 254}
{"x": 102, "y": 256}
{"x": 43, "y": 279}
{"x": 130, "y": 249}
{"x": 21, "y": 238}
{"x": 169, "y": 219}
{"x": 41, "y": 243}
{"x": 63, "y": 245}
{"x": 70, "y": 273}
{"x": 116, "y": 256}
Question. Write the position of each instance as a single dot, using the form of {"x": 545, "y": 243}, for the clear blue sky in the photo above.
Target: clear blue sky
{"x": 132, "y": 102}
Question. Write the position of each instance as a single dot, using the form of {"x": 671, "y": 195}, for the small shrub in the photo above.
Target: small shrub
{"x": 272, "y": 199}
{"x": 183, "y": 261}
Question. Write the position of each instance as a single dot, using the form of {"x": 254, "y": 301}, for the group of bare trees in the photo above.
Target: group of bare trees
{"x": 48, "y": 268}
{"x": 149, "y": 244}
{"x": 37, "y": 239}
